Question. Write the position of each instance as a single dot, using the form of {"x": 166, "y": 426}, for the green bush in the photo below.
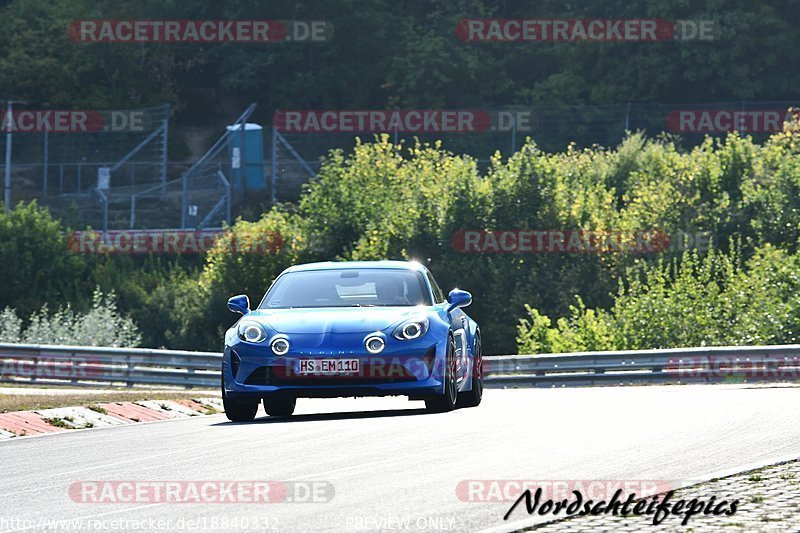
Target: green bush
{"x": 244, "y": 261}
{"x": 10, "y": 326}
{"x": 36, "y": 266}
{"x": 149, "y": 289}
{"x": 387, "y": 201}
{"x": 711, "y": 300}
{"x": 102, "y": 325}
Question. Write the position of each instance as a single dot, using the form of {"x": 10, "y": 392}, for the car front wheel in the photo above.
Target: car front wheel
{"x": 474, "y": 396}
{"x": 279, "y": 405}
{"x": 238, "y": 410}
{"x": 447, "y": 400}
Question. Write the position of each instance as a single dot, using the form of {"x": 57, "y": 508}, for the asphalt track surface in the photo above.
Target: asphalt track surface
{"x": 394, "y": 466}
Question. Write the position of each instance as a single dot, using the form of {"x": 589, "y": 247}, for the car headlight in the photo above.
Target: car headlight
{"x": 252, "y": 331}
{"x": 280, "y": 346}
{"x": 411, "y": 329}
{"x": 375, "y": 344}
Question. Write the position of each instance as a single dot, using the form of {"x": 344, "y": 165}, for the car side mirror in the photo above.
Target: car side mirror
{"x": 239, "y": 304}
{"x": 458, "y": 298}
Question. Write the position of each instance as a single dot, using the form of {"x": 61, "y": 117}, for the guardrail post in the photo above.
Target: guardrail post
{"x": 596, "y": 372}
{"x": 129, "y": 372}
{"x": 190, "y": 374}
{"x": 73, "y": 370}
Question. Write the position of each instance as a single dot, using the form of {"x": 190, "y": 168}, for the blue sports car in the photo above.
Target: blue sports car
{"x": 367, "y": 328}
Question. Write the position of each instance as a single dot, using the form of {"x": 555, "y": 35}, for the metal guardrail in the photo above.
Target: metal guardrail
{"x": 130, "y": 367}
{"x": 76, "y": 366}
{"x": 674, "y": 365}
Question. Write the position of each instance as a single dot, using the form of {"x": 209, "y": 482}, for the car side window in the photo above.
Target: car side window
{"x": 438, "y": 295}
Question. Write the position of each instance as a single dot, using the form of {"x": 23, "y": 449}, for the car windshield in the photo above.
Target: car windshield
{"x": 350, "y": 287}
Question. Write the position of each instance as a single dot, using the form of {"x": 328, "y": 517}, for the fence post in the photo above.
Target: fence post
{"x": 228, "y": 202}
{"x": 184, "y": 199}
{"x": 45, "y": 162}
{"x": 242, "y": 159}
{"x": 7, "y": 191}
{"x": 627, "y": 117}
{"x": 105, "y": 214}
{"x": 133, "y": 211}
{"x": 164, "y": 148}
{"x": 274, "y": 162}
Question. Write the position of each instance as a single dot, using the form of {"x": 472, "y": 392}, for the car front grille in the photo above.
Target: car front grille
{"x": 278, "y": 376}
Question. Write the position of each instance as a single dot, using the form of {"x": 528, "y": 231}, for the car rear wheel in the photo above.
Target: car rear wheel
{"x": 280, "y": 405}
{"x": 473, "y": 397}
{"x": 447, "y": 400}
{"x": 238, "y": 410}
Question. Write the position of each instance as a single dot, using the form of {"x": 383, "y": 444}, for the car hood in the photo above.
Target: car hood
{"x": 335, "y": 320}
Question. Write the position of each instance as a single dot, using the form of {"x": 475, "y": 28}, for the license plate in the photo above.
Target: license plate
{"x": 327, "y": 366}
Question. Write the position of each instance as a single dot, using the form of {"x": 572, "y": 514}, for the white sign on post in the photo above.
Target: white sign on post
{"x": 103, "y": 178}
{"x": 236, "y": 158}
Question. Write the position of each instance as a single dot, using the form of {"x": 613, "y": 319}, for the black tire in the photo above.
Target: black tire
{"x": 442, "y": 403}
{"x": 280, "y": 405}
{"x": 239, "y": 410}
{"x": 473, "y": 397}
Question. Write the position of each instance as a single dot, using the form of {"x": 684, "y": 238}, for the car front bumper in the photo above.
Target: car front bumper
{"x": 409, "y": 368}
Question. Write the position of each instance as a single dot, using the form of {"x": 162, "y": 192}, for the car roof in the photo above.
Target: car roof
{"x": 337, "y": 265}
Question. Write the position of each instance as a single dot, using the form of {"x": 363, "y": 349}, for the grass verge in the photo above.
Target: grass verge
{"x": 32, "y": 402}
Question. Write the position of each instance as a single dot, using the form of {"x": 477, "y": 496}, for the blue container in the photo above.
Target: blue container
{"x": 247, "y": 174}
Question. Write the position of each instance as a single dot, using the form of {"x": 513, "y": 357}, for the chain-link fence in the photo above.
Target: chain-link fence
{"x": 109, "y": 169}
{"x": 83, "y": 164}
{"x": 203, "y": 196}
